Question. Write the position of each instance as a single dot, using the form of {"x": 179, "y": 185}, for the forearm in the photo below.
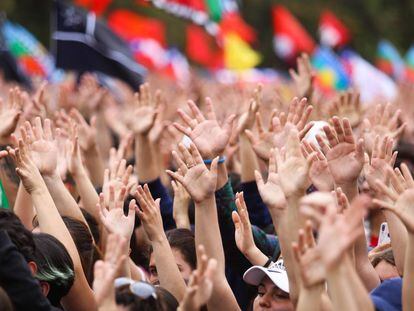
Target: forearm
{"x": 207, "y": 233}
{"x": 311, "y": 296}
{"x": 64, "y": 201}
{"x": 255, "y": 256}
{"x": 363, "y": 266}
{"x": 168, "y": 273}
{"x": 87, "y": 192}
{"x": 95, "y": 166}
{"x": 408, "y": 280}
{"x": 346, "y": 290}
{"x": 398, "y": 236}
{"x": 23, "y": 207}
{"x": 145, "y": 164}
{"x": 248, "y": 159}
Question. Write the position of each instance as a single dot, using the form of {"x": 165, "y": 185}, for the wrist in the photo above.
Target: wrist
{"x": 51, "y": 177}
{"x": 158, "y": 239}
{"x": 207, "y": 201}
{"x": 91, "y": 150}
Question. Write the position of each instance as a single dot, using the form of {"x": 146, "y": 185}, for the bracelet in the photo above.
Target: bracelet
{"x": 221, "y": 160}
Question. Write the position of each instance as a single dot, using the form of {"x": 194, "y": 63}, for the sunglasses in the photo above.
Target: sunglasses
{"x": 140, "y": 289}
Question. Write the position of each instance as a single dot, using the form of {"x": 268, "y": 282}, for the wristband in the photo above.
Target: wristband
{"x": 221, "y": 160}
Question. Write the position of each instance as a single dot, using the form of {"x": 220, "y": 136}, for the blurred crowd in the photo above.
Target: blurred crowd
{"x": 205, "y": 197}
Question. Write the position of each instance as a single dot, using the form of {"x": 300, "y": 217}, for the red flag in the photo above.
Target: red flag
{"x": 233, "y": 22}
{"x": 132, "y": 26}
{"x": 332, "y": 31}
{"x": 290, "y": 38}
{"x": 202, "y": 49}
{"x": 97, "y": 6}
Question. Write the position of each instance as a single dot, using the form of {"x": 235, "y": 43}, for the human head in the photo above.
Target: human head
{"x": 162, "y": 300}
{"x": 183, "y": 247}
{"x": 384, "y": 264}
{"x": 55, "y": 269}
{"x": 84, "y": 244}
{"x": 19, "y": 235}
{"x": 272, "y": 287}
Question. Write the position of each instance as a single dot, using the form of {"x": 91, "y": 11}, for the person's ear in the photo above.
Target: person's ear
{"x": 45, "y": 288}
{"x": 32, "y": 267}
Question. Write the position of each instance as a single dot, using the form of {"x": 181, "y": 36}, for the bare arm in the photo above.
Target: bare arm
{"x": 23, "y": 207}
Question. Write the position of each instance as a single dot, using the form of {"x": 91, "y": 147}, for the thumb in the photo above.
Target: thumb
{"x": 228, "y": 124}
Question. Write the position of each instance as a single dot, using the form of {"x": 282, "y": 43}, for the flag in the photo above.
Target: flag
{"x": 177, "y": 67}
{"x": 290, "y": 38}
{"x": 83, "y": 43}
{"x": 332, "y": 31}
{"x": 202, "y": 48}
{"x": 96, "y": 6}
{"x": 238, "y": 55}
{"x": 131, "y": 26}
{"x": 389, "y": 60}
{"x": 32, "y": 57}
{"x": 233, "y": 22}
{"x": 409, "y": 61}
{"x": 331, "y": 75}
{"x": 372, "y": 83}
{"x": 9, "y": 66}
{"x": 215, "y": 9}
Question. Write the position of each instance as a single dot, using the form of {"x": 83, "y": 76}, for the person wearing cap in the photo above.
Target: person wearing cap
{"x": 272, "y": 287}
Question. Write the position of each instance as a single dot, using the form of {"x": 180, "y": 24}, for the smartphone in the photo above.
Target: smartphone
{"x": 384, "y": 234}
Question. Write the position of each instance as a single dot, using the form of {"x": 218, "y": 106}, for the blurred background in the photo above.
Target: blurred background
{"x": 368, "y": 21}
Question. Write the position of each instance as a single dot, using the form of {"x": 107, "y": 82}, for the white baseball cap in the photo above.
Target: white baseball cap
{"x": 276, "y": 272}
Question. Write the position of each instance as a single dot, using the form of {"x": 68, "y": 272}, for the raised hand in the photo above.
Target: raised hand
{"x": 381, "y": 158}
{"x": 193, "y": 174}
{"x": 271, "y": 191}
{"x": 41, "y": 144}
{"x": 112, "y": 213}
{"x": 105, "y": 271}
{"x": 145, "y": 112}
{"x": 25, "y": 167}
{"x": 10, "y": 113}
{"x": 180, "y": 205}
{"x": 400, "y": 197}
{"x": 384, "y": 123}
{"x": 337, "y": 233}
{"x": 348, "y": 105}
{"x": 303, "y": 78}
{"x": 243, "y": 228}
{"x": 208, "y": 136}
{"x": 280, "y": 127}
{"x": 149, "y": 214}
{"x": 292, "y": 166}
{"x": 319, "y": 173}
{"x": 246, "y": 120}
{"x": 308, "y": 256}
{"x": 118, "y": 176}
{"x": 345, "y": 157}
{"x": 200, "y": 287}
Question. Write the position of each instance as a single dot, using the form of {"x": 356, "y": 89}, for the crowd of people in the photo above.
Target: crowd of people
{"x": 208, "y": 197}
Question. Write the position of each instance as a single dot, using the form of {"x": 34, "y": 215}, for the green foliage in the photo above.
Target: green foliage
{"x": 368, "y": 21}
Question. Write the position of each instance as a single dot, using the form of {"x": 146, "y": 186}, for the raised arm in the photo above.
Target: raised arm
{"x": 167, "y": 269}
{"x": 201, "y": 184}
{"x": 80, "y": 296}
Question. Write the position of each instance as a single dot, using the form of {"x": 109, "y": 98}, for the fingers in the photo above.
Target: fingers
{"x": 211, "y": 114}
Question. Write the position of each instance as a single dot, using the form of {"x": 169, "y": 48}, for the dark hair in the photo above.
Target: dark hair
{"x": 84, "y": 244}
{"x": 19, "y": 235}
{"x": 386, "y": 255}
{"x": 93, "y": 225}
{"x": 54, "y": 266}
{"x": 5, "y": 302}
{"x": 183, "y": 240}
{"x": 165, "y": 301}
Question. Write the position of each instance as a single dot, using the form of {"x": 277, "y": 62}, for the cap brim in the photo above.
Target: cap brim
{"x": 255, "y": 275}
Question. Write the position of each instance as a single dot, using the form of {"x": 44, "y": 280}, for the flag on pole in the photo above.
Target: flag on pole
{"x": 389, "y": 60}
{"x": 238, "y": 55}
{"x": 290, "y": 38}
{"x": 331, "y": 75}
{"x": 409, "y": 61}
{"x": 372, "y": 83}
{"x": 83, "y": 43}
{"x": 332, "y": 31}
{"x": 9, "y": 66}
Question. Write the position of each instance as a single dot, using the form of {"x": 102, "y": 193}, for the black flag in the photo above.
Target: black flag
{"x": 83, "y": 43}
{"x": 8, "y": 64}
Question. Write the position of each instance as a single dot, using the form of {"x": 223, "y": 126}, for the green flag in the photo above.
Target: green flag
{"x": 4, "y": 202}
{"x": 215, "y": 9}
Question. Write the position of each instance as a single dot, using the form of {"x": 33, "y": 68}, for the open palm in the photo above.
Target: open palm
{"x": 344, "y": 164}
